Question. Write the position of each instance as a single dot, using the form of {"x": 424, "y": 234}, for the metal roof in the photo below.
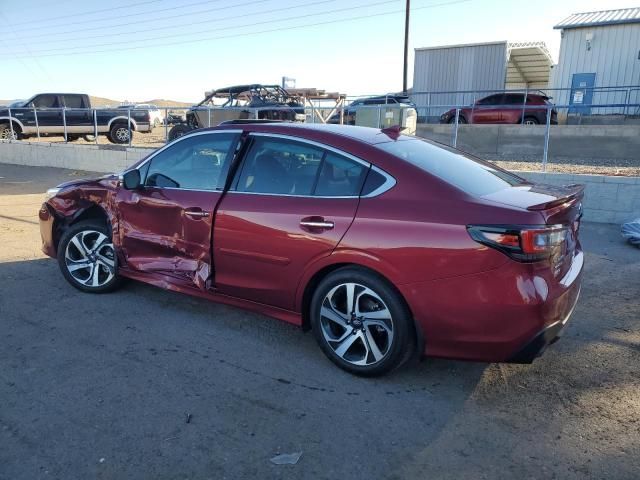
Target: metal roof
{"x": 528, "y": 62}
{"x": 603, "y": 17}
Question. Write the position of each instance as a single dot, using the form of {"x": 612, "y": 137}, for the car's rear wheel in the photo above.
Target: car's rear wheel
{"x": 119, "y": 133}
{"x": 87, "y": 258}
{"x": 531, "y": 121}
{"x": 461, "y": 119}
{"x": 361, "y": 323}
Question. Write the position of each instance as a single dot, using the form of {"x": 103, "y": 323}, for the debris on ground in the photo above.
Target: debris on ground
{"x": 631, "y": 232}
{"x": 287, "y": 458}
{"x": 188, "y": 417}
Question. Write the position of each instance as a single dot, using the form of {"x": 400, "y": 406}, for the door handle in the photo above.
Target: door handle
{"x": 316, "y": 223}
{"x": 196, "y": 213}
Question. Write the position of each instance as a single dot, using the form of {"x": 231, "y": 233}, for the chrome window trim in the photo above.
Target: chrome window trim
{"x": 389, "y": 183}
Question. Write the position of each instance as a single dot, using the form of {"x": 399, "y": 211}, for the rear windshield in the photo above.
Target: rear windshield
{"x": 473, "y": 176}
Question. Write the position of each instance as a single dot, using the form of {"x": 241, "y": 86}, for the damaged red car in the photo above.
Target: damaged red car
{"x": 383, "y": 245}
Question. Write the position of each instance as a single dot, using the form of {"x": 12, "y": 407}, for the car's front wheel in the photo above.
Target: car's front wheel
{"x": 361, "y": 323}
{"x": 87, "y": 258}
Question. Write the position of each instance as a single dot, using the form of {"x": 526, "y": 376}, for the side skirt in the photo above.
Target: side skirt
{"x": 171, "y": 283}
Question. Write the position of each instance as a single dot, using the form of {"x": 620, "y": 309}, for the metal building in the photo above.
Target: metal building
{"x": 598, "y": 49}
{"x": 458, "y": 74}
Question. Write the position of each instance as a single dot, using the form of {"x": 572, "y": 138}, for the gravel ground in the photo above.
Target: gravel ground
{"x": 101, "y": 386}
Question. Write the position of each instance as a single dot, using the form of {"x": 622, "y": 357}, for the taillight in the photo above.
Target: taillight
{"x": 523, "y": 243}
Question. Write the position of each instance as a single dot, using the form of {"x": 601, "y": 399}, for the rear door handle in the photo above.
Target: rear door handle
{"x": 316, "y": 223}
{"x": 196, "y": 213}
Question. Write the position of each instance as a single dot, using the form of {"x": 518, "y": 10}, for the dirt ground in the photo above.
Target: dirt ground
{"x": 101, "y": 386}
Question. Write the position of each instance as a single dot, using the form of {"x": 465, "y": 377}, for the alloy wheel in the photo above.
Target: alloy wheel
{"x": 90, "y": 258}
{"x": 122, "y": 134}
{"x": 357, "y": 324}
{"x": 7, "y": 134}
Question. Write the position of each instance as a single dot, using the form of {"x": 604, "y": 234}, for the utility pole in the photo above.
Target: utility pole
{"x": 406, "y": 47}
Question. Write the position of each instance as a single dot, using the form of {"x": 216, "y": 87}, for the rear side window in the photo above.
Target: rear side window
{"x": 513, "y": 99}
{"x": 74, "y": 101}
{"x": 340, "y": 177}
{"x": 471, "y": 175}
{"x": 279, "y": 166}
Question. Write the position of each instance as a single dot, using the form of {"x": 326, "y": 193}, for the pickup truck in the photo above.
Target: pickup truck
{"x": 53, "y": 113}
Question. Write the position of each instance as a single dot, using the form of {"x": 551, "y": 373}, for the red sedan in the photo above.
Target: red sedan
{"x": 381, "y": 244}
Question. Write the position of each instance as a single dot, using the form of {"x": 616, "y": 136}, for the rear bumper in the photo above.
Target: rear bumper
{"x": 510, "y": 314}
{"x": 540, "y": 342}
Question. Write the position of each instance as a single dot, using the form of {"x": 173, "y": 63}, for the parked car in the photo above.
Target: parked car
{"x": 53, "y": 113}
{"x": 505, "y": 108}
{"x": 156, "y": 116}
{"x": 255, "y": 101}
{"x": 349, "y": 115}
{"x": 176, "y": 116}
{"x": 380, "y": 243}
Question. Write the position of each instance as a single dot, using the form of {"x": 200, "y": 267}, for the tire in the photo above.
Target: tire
{"x": 84, "y": 267}
{"x": 461, "y": 120}
{"x": 119, "y": 133}
{"x": 72, "y": 138}
{"x": 531, "y": 121}
{"x": 5, "y": 132}
{"x": 366, "y": 347}
{"x": 89, "y": 138}
{"x": 178, "y": 131}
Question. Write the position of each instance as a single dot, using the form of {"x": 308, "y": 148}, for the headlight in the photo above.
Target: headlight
{"x": 52, "y": 192}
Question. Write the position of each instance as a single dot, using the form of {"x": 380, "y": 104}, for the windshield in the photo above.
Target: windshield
{"x": 469, "y": 174}
{"x": 17, "y": 103}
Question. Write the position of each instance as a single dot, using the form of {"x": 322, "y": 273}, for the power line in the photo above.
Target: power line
{"x": 48, "y": 19}
{"x": 254, "y": 24}
{"x": 82, "y": 22}
{"x": 211, "y": 20}
{"x": 295, "y": 27}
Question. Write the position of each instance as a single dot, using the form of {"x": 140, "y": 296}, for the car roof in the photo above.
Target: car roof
{"x": 367, "y": 135}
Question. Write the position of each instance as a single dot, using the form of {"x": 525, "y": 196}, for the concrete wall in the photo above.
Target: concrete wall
{"x": 608, "y": 199}
{"x": 516, "y": 141}
{"x": 93, "y": 158}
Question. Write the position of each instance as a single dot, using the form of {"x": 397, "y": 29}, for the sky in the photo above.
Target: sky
{"x": 139, "y": 50}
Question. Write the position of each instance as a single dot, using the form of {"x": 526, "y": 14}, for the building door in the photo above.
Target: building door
{"x": 582, "y": 92}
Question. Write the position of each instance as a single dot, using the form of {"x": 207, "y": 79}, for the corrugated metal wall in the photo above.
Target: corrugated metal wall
{"x": 465, "y": 67}
{"x": 613, "y": 58}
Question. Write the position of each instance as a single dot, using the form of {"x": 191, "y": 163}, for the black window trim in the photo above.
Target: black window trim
{"x": 387, "y": 185}
{"x": 176, "y": 141}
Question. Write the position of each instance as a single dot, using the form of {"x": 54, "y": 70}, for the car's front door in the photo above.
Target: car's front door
{"x": 165, "y": 226}
{"x": 290, "y": 203}
{"x": 488, "y": 110}
{"x": 48, "y": 113}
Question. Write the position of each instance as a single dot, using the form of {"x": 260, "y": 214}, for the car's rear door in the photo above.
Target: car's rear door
{"x": 165, "y": 226}
{"x": 291, "y": 202}
{"x": 78, "y": 116}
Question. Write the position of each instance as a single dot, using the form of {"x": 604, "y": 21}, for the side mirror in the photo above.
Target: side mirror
{"x": 131, "y": 179}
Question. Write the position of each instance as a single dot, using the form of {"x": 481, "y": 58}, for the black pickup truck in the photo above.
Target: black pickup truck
{"x": 55, "y": 113}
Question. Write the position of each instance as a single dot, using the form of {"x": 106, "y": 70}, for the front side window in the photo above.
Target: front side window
{"x": 491, "y": 100}
{"x": 194, "y": 163}
{"x": 46, "y": 101}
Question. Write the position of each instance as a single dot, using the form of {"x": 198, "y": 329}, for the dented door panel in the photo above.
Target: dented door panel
{"x": 159, "y": 233}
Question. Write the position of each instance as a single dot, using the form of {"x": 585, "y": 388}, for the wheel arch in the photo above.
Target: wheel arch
{"x": 122, "y": 119}
{"x": 17, "y": 124}
{"x": 92, "y": 211}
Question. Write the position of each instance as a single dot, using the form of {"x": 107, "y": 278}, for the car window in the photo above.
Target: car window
{"x": 74, "y": 101}
{"x": 491, "y": 100}
{"x": 471, "y": 175}
{"x": 194, "y": 163}
{"x": 46, "y": 101}
{"x": 340, "y": 177}
{"x": 275, "y": 165}
{"x": 513, "y": 98}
